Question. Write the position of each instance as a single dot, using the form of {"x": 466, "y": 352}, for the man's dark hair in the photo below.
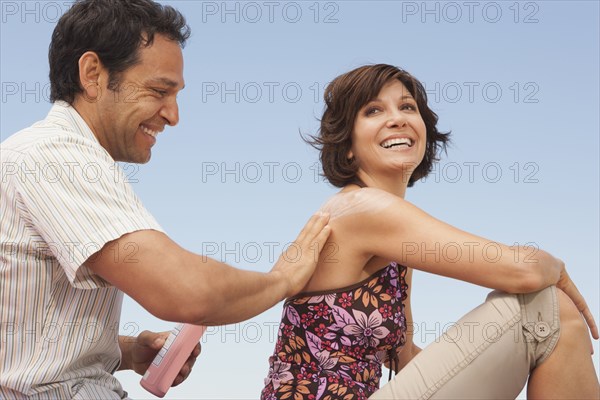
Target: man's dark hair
{"x": 113, "y": 29}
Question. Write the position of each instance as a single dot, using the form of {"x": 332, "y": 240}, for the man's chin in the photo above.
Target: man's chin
{"x": 144, "y": 161}
{"x": 138, "y": 158}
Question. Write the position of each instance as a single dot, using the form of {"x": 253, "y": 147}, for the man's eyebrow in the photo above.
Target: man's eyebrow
{"x": 165, "y": 81}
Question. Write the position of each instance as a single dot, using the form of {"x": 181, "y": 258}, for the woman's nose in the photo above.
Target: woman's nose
{"x": 396, "y": 120}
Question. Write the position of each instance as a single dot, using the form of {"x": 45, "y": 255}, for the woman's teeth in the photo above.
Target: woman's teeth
{"x": 396, "y": 142}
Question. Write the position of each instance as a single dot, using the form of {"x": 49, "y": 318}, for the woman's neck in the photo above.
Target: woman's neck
{"x": 393, "y": 185}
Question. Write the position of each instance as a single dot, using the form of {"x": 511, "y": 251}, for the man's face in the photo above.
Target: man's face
{"x": 129, "y": 118}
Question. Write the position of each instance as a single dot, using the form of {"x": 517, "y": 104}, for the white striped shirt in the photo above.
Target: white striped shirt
{"x": 62, "y": 198}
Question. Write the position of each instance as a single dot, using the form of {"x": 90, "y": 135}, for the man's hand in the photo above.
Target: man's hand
{"x": 300, "y": 259}
{"x": 138, "y": 353}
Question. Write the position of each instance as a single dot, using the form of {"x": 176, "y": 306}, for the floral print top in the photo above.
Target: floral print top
{"x": 331, "y": 344}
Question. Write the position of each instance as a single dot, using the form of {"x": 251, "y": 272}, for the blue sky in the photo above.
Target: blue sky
{"x": 516, "y": 83}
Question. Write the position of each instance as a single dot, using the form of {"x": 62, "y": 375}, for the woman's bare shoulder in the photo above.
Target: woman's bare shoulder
{"x": 363, "y": 201}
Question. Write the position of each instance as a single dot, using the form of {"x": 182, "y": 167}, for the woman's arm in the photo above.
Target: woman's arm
{"x": 384, "y": 225}
{"x": 394, "y": 229}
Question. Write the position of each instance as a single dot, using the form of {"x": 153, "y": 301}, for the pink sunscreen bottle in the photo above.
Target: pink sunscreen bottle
{"x": 168, "y": 362}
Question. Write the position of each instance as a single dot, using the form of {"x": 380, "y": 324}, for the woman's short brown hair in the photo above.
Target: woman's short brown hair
{"x": 344, "y": 97}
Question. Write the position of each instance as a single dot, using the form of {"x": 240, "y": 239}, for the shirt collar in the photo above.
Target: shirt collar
{"x": 65, "y": 115}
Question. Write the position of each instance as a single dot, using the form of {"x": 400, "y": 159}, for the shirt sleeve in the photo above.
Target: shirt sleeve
{"x": 78, "y": 199}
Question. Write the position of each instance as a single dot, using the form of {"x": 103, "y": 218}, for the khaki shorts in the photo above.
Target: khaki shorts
{"x": 488, "y": 354}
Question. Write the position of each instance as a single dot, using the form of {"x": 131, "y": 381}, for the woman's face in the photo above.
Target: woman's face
{"x": 389, "y": 134}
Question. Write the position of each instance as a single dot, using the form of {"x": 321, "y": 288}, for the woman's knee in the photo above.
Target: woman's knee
{"x": 568, "y": 310}
{"x": 572, "y": 324}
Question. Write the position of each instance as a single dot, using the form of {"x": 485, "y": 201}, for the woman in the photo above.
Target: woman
{"x": 377, "y": 138}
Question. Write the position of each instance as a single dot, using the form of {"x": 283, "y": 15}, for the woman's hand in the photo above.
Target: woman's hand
{"x": 566, "y": 285}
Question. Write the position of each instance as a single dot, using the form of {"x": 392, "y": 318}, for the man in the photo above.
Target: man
{"x": 74, "y": 238}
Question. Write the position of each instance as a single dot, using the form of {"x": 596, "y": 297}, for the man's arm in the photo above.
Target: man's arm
{"x": 177, "y": 285}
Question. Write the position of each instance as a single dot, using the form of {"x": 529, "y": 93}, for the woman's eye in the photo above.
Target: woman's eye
{"x": 371, "y": 110}
{"x": 409, "y": 106}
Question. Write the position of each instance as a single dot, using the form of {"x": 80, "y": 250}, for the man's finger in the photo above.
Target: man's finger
{"x": 323, "y": 236}
{"x": 197, "y": 350}
{"x": 182, "y": 376}
{"x": 314, "y": 225}
{"x": 153, "y": 340}
{"x": 146, "y": 338}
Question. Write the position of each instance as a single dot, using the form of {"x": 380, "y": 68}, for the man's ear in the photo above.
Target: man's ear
{"x": 90, "y": 73}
